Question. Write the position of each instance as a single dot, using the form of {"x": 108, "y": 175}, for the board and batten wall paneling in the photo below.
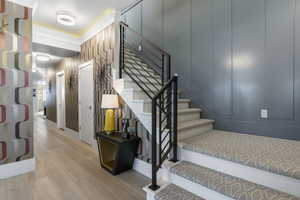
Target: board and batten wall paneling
{"x": 233, "y": 57}
{"x": 177, "y": 39}
{"x": 280, "y": 53}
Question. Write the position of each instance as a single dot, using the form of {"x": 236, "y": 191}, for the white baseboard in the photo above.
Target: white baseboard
{"x": 71, "y": 133}
{"x": 67, "y": 131}
{"x": 142, "y": 167}
{"x": 268, "y": 179}
{"x": 145, "y": 169}
{"x": 150, "y": 194}
{"x": 51, "y": 123}
{"x": 17, "y": 168}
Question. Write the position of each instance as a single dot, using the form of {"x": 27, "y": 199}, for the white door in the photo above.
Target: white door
{"x": 86, "y": 102}
{"x": 60, "y": 99}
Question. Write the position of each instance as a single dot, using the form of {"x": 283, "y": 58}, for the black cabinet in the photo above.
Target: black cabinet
{"x": 116, "y": 153}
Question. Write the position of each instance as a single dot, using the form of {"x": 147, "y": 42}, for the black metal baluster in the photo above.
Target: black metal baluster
{"x": 163, "y": 70}
{"x": 159, "y": 129}
{"x": 123, "y": 47}
{"x": 174, "y": 111}
{"x": 142, "y": 70}
{"x": 121, "y": 56}
{"x": 154, "y": 185}
{"x": 169, "y": 68}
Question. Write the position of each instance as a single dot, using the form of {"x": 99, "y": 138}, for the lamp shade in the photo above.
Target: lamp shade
{"x": 110, "y": 101}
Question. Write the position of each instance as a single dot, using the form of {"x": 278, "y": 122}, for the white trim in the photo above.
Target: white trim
{"x": 102, "y": 24}
{"x": 150, "y": 194}
{"x": 71, "y": 133}
{"x": 17, "y": 168}
{"x": 142, "y": 167}
{"x": 89, "y": 63}
{"x": 50, "y": 37}
{"x": 51, "y": 123}
{"x": 268, "y": 179}
{"x": 54, "y": 38}
{"x": 145, "y": 169}
{"x": 63, "y": 125}
{"x": 26, "y": 3}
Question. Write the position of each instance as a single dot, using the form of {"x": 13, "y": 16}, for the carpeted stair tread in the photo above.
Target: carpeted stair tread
{"x": 194, "y": 123}
{"x": 189, "y": 110}
{"x": 227, "y": 185}
{"x": 275, "y": 155}
{"x": 173, "y": 192}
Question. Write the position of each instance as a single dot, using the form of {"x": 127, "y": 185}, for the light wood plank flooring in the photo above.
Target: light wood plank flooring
{"x": 68, "y": 169}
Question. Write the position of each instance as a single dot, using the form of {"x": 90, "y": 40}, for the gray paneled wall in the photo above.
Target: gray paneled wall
{"x": 233, "y": 57}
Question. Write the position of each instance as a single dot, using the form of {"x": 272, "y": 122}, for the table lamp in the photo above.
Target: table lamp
{"x": 109, "y": 102}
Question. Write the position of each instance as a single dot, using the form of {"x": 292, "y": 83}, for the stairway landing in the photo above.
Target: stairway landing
{"x": 278, "y": 156}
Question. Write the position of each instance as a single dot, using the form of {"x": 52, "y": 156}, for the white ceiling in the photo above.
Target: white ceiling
{"x": 87, "y": 13}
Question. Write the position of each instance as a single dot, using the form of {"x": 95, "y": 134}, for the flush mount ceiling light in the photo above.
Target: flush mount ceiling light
{"x": 65, "y": 18}
{"x": 43, "y": 58}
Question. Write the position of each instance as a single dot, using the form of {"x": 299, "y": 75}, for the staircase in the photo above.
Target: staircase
{"x": 214, "y": 164}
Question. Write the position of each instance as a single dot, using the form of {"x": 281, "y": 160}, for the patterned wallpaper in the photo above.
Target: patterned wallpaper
{"x": 51, "y": 94}
{"x": 16, "y": 129}
{"x": 100, "y": 48}
{"x": 71, "y": 76}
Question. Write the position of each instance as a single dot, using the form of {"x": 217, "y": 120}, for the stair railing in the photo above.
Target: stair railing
{"x": 150, "y": 68}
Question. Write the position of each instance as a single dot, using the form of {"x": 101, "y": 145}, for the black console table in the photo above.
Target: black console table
{"x": 116, "y": 154}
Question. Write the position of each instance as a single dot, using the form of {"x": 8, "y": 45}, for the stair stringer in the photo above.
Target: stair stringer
{"x": 136, "y": 107}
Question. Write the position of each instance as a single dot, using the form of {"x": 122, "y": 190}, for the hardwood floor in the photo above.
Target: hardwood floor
{"x": 68, "y": 169}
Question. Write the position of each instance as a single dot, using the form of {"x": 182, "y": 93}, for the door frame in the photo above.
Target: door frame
{"x": 86, "y": 64}
{"x": 58, "y": 111}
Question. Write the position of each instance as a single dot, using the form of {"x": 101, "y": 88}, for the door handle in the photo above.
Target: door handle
{"x": 90, "y": 107}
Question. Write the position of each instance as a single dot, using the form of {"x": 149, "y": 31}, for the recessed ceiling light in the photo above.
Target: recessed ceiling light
{"x": 65, "y": 18}
{"x": 43, "y": 58}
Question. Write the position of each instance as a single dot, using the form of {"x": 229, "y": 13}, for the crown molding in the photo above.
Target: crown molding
{"x": 51, "y": 36}
{"x": 42, "y": 35}
{"x": 97, "y": 27}
{"x": 26, "y": 3}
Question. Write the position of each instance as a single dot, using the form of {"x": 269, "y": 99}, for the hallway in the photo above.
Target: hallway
{"x": 69, "y": 169}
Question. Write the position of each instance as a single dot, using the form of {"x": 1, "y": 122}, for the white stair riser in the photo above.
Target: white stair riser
{"x": 137, "y": 108}
{"x": 148, "y": 106}
{"x": 196, "y": 189}
{"x": 191, "y": 132}
{"x": 142, "y": 72}
{"x": 140, "y": 95}
{"x": 149, "y": 79}
{"x": 188, "y": 116}
{"x": 131, "y": 84}
{"x": 277, "y": 182}
{"x": 183, "y": 105}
